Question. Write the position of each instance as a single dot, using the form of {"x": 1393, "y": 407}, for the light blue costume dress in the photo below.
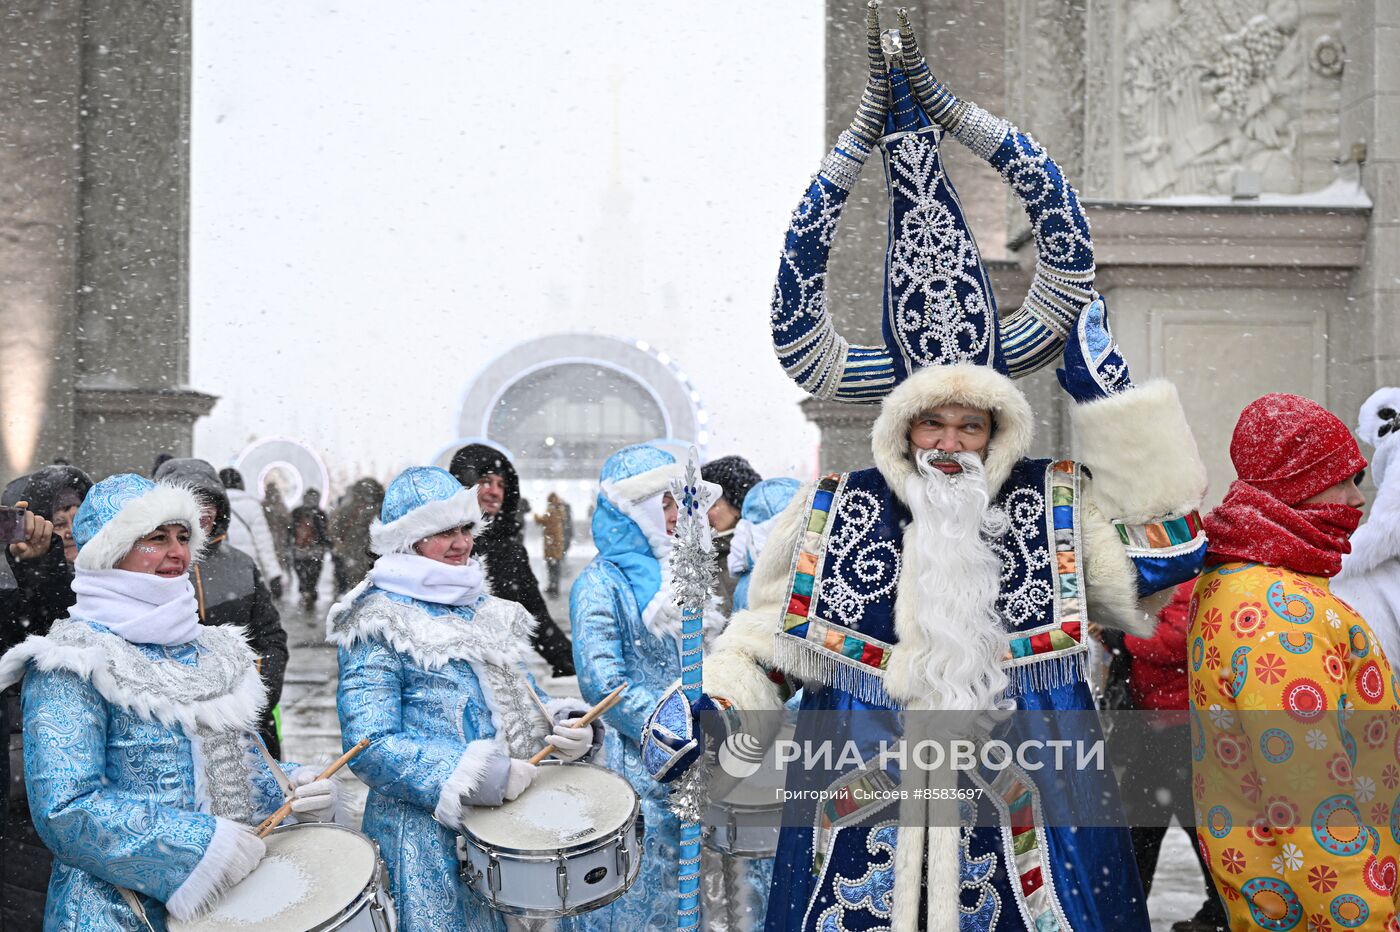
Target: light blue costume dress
{"x": 442, "y": 693}
{"x": 141, "y": 760}
{"x": 762, "y": 505}
{"x": 625, "y": 630}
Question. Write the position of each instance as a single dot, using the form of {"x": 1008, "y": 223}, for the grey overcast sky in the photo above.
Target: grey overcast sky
{"x": 388, "y": 195}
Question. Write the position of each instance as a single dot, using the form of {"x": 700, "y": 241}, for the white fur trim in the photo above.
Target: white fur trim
{"x": 965, "y": 384}
{"x": 167, "y": 503}
{"x": 123, "y": 676}
{"x": 737, "y": 676}
{"x": 498, "y": 633}
{"x": 643, "y": 485}
{"x": 909, "y": 844}
{"x": 944, "y": 872}
{"x": 466, "y": 778}
{"x": 1141, "y": 453}
{"x": 233, "y": 853}
{"x": 1110, "y": 580}
{"x": 424, "y": 521}
{"x": 628, "y": 495}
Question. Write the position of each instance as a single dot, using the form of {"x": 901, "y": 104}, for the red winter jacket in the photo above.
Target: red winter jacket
{"x": 1157, "y": 675}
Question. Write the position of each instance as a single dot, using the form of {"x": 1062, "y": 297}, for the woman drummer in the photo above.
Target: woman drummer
{"x": 141, "y": 754}
{"x": 431, "y": 672}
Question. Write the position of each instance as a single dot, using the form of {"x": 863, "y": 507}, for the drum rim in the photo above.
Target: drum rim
{"x": 528, "y": 912}
{"x": 582, "y": 847}
{"x": 362, "y": 900}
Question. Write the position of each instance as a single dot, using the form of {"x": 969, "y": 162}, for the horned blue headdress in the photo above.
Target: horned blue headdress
{"x": 938, "y": 303}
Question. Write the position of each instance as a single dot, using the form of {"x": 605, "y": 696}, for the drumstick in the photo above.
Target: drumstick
{"x": 276, "y": 818}
{"x": 610, "y": 700}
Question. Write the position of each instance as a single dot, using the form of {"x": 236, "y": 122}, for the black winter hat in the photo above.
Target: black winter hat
{"x": 734, "y": 476}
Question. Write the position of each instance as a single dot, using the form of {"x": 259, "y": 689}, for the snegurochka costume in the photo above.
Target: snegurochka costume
{"x": 626, "y": 629}
{"x": 432, "y": 672}
{"x": 830, "y": 603}
{"x": 141, "y": 746}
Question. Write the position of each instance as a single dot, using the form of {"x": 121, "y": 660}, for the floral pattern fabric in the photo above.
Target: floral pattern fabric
{"x": 1296, "y": 752}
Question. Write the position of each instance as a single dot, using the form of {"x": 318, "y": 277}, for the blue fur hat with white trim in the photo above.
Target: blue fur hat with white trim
{"x": 122, "y": 509}
{"x": 420, "y": 502}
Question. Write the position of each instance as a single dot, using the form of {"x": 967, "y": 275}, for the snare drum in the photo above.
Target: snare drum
{"x": 747, "y": 818}
{"x": 746, "y": 822}
{"x": 569, "y": 844}
{"x": 316, "y": 877}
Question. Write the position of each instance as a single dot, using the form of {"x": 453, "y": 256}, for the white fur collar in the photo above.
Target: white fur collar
{"x": 221, "y": 692}
{"x": 498, "y": 632}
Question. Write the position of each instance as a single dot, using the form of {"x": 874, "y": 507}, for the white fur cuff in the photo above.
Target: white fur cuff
{"x": 1141, "y": 453}
{"x": 736, "y": 676}
{"x": 232, "y": 854}
{"x": 466, "y": 778}
{"x": 424, "y": 521}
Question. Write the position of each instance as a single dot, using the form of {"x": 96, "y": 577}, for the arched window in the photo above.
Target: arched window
{"x": 562, "y": 420}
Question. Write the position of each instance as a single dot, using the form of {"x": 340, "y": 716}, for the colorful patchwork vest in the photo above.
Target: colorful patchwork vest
{"x": 838, "y": 627}
{"x": 1020, "y": 869}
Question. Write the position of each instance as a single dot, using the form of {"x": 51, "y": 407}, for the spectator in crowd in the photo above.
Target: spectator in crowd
{"x": 1295, "y": 706}
{"x": 1152, "y": 743}
{"x": 1370, "y": 576}
{"x": 229, "y": 586}
{"x": 350, "y": 523}
{"x": 40, "y": 571}
{"x": 309, "y": 545}
{"x": 279, "y": 522}
{"x": 502, "y": 551}
{"x": 553, "y": 521}
{"x": 735, "y": 477}
{"x": 763, "y": 505}
{"x": 249, "y": 531}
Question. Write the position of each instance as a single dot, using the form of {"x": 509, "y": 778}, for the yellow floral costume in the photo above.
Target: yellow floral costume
{"x": 1295, "y": 739}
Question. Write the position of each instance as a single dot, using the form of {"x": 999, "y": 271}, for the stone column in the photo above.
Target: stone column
{"x": 133, "y": 302}
{"x": 94, "y": 209}
{"x": 1363, "y": 336}
{"x": 39, "y": 167}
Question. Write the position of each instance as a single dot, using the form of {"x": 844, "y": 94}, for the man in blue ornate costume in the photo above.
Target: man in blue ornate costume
{"x": 141, "y": 758}
{"x": 432, "y": 673}
{"x": 957, "y": 573}
{"x": 626, "y": 629}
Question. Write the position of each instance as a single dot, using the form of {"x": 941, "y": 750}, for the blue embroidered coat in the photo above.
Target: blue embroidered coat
{"x": 136, "y": 757}
{"x": 823, "y": 612}
{"x": 442, "y": 694}
{"x": 1016, "y": 873}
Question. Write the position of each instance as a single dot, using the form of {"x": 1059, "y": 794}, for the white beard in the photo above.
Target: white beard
{"x": 951, "y": 640}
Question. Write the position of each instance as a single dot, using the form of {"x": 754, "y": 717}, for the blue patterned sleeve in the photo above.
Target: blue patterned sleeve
{"x": 125, "y": 838}
{"x": 596, "y": 615}
{"x": 370, "y": 702}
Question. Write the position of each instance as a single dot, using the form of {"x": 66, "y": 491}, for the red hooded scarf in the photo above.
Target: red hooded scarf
{"x": 1286, "y": 449}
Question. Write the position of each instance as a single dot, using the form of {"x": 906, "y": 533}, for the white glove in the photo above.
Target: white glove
{"x": 314, "y": 800}
{"x": 522, "y": 774}
{"x": 571, "y": 743}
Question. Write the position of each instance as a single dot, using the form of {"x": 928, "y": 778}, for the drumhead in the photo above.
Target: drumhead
{"x": 567, "y": 805}
{"x": 311, "y": 874}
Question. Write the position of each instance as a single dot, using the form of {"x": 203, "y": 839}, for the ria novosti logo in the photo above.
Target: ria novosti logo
{"x": 741, "y": 755}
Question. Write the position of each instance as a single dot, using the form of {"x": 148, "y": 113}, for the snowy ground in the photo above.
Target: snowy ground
{"x": 311, "y": 734}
